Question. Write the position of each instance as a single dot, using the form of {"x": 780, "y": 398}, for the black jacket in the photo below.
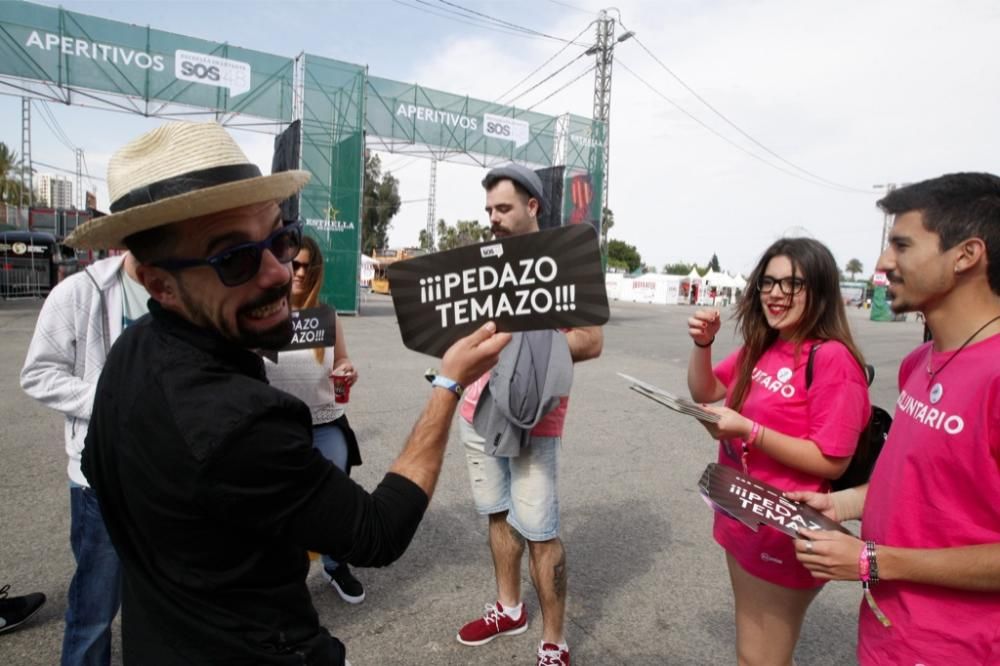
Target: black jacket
{"x": 212, "y": 493}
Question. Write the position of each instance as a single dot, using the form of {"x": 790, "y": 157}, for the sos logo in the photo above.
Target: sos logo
{"x": 198, "y": 70}
{"x": 497, "y": 129}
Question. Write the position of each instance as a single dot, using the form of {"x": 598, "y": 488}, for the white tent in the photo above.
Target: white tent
{"x": 718, "y": 289}
{"x": 613, "y": 283}
{"x": 690, "y": 287}
{"x": 651, "y": 288}
{"x": 367, "y": 271}
{"x": 718, "y": 280}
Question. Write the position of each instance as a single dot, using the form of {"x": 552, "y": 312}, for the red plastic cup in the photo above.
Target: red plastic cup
{"x": 341, "y": 388}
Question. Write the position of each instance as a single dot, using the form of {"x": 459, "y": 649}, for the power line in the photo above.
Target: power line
{"x": 50, "y": 122}
{"x": 537, "y": 69}
{"x": 502, "y": 22}
{"x": 547, "y": 78}
{"x": 737, "y": 127}
{"x": 563, "y": 87}
{"x": 58, "y": 128}
{"x": 69, "y": 171}
{"x": 571, "y": 6}
{"x": 730, "y": 141}
{"x": 86, "y": 169}
{"x": 451, "y": 17}
{"x": 402, "y": 165}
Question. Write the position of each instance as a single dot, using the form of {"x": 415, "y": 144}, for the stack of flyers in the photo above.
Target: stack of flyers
{"x": 678, "y": 404}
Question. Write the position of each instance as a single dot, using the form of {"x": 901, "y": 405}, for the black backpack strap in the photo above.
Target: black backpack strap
{"x": 809, "y": 364}
{"x": 869, "y": 369}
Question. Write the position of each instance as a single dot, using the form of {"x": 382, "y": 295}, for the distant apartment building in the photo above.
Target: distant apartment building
{"x": 53, "y": 191}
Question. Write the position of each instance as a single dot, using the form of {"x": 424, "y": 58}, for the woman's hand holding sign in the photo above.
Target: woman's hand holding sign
{"x": 829, "y": 555}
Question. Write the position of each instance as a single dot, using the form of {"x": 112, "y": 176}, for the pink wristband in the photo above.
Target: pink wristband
{"x": 754, "y": 431}
{"x": 863, "y": 566}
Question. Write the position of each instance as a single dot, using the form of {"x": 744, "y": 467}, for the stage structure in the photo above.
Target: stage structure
{"x": 76, "y": 59}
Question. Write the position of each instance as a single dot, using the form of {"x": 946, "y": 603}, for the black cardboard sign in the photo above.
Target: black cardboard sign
{"x": 753, "y": 502}
{"x": 313, "y": 327}
{"x": 543, "y": 280}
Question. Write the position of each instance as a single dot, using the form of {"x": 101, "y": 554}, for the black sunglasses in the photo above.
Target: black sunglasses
{"x": 239, "y": 263}
{"x": 296, "y": 265}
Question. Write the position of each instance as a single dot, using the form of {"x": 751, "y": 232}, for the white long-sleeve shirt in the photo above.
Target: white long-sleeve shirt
{"x": 76, "y": 327}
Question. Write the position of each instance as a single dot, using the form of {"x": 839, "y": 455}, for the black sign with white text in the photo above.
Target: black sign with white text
{"x": 754, "y": 502}
{"x": 543, "y": 280}
{"x": 313, "y": 327}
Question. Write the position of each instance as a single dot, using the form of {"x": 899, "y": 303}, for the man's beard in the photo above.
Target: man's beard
{"x": 274, "y": 338}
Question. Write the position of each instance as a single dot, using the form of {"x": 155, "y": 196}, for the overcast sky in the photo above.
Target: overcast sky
{"x": 856, "y": 92}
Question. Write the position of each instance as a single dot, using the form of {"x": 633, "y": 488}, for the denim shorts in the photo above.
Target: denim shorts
{"x": 525, "y": 486}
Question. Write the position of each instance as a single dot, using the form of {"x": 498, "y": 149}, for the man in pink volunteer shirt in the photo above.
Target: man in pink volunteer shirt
{"x": 519, "y": 494}
{"x": 930, "y": 515}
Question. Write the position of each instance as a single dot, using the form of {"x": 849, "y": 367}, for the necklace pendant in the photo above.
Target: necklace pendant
{"x": 936, "y": 392}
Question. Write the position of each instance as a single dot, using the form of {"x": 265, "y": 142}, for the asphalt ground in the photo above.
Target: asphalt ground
{"x": 647, "y": 584}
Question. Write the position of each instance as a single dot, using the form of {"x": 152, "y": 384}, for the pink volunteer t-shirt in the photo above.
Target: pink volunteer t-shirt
{"x": 832, "y": 414}
{"x": 937, "y": 485}
{"x": 551, "y": 424}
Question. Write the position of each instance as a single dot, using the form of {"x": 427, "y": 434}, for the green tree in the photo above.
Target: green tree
{"x": 426, "y": 241}
{"x": 617, "y": 263}
{"x": 853, "y": 267}
{"x": 713, "y": 263}
{"x": 680, "y": 268}
{"x": 10, "y": 180}
{"x": 465, "y": 232}
{"x": 380, "y": 203}
{"x": 624, "y": 253}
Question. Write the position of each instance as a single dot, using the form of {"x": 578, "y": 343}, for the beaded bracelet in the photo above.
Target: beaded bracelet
{"x": 868, "y": 572}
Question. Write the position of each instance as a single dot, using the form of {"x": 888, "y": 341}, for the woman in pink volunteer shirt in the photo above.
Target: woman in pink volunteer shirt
{"x": 776, "y": 429}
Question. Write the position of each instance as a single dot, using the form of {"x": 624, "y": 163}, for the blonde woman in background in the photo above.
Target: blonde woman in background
{"x": 308, "y": 375}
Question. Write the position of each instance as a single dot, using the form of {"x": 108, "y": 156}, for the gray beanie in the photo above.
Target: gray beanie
{"x": 521, "y": 175}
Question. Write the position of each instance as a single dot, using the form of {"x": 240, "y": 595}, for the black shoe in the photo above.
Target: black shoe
{"x": 348, "y": 587}
{"x": 15, "y": 610}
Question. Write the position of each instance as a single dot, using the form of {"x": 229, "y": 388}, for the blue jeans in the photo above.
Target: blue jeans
{"x": 95, "y": 591}
{"x": 329, "y": 440}
{"x": 525, "y": 486}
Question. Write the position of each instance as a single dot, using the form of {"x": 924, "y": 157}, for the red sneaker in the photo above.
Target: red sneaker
{"x": 550, "y": 654}
{"x": 493, "y": 623}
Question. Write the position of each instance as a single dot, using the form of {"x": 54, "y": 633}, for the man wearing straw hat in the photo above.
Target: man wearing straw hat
{"x": 210, "y": 487}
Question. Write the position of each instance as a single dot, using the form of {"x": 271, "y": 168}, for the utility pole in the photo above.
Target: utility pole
{"x": 602, "y": 90}
{"x": 431, "y": 202}
{"x": 81, "y": 199}
{"x": 603, "y": 48}
{"x": 27, "y": 180}
{"x": 886, "y": 218}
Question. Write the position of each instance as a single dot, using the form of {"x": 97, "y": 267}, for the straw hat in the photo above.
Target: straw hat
{"x": 177, "y": 172}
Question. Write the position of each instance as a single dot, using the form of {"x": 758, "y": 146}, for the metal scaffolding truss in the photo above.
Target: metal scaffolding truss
{"x": 70, "y": 58}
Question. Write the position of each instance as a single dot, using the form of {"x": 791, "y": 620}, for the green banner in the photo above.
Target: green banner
{"x": 333, "y": 151}
{"x": 83, "y": 54}
{"x": 81, "y": 58}
{"x": 880, "y": 306}
{"x": 406, "y": 114}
